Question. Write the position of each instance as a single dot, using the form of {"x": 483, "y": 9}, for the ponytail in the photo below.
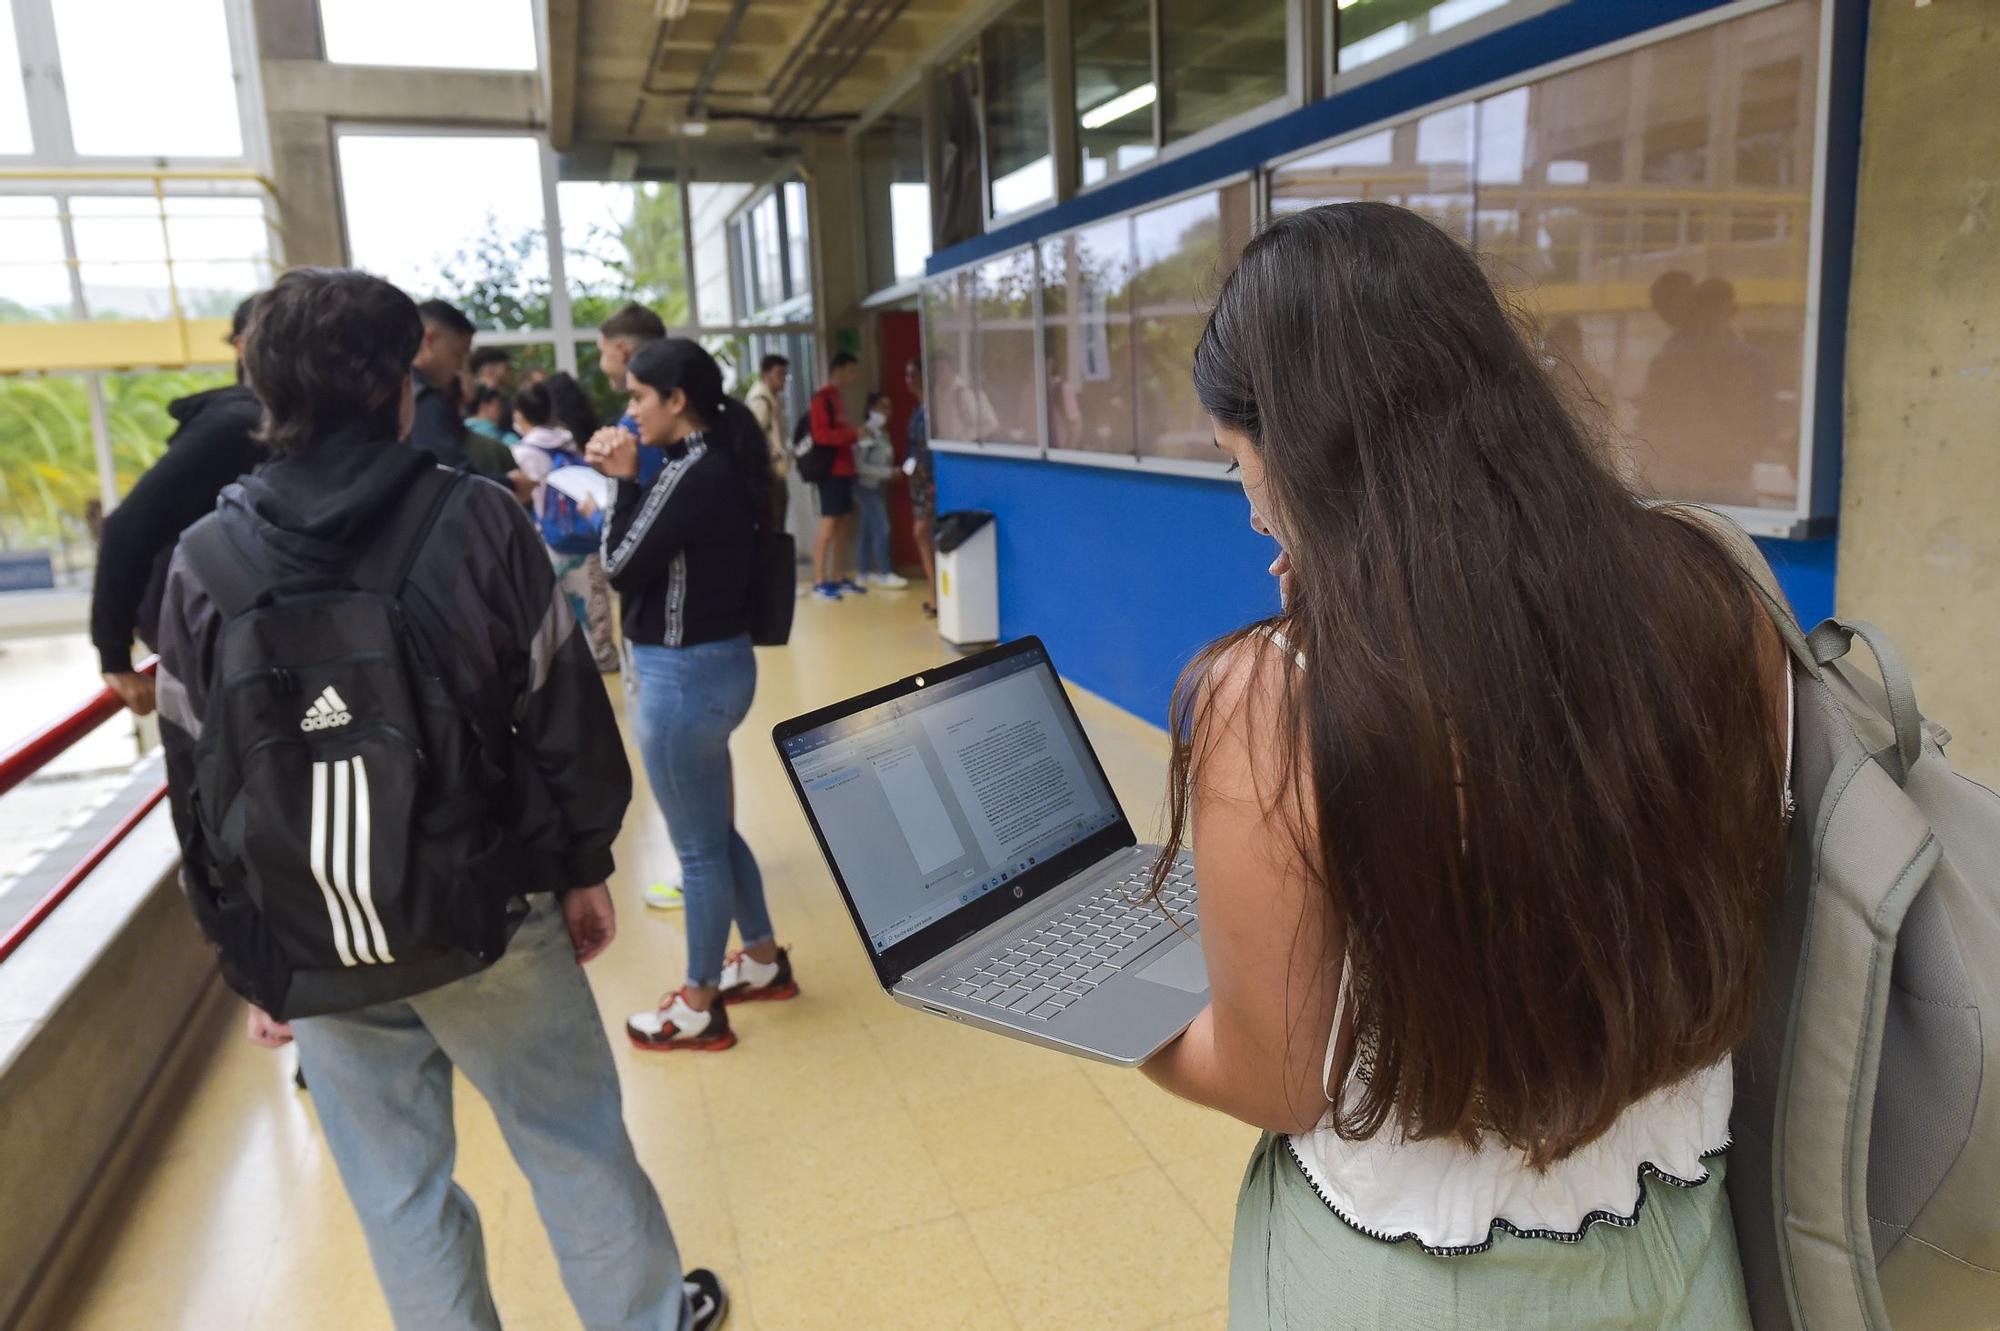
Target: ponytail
{"x": 677, "y": 363}
{"x": 744, "y": 440}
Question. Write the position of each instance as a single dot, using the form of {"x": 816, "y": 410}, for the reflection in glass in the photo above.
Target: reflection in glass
{"x": 1218, "y": 59}
{"x": 895, "y": 200}
{"x": 949, "y": 358}
{"x": 1115, "y": 92}
{"x": 961, "y": 198}
{"x": 125, "y": 100}
{"x": 709, "y": 209}
{"x": 1666, "y": 234}
{"x": 1087, "y": 336}
{"x": 1181, "y": 252}
{"x": 1367, "y": 30}
{"x": 1002, "y": 399}
{"x": 1014, "y": 58}
{"x": 1424, "y": 165}
{"x": 34, "y": 277}
{"x": 622, "y": 241}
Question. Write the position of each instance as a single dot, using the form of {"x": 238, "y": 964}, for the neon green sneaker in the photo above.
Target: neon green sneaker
{"x": 665, "y": 896}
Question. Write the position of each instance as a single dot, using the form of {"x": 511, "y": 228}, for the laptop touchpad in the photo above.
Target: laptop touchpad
{"x": 1181, "y": 966}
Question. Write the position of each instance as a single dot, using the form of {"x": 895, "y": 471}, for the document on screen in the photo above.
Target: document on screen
{"x": 1010, "y": 762}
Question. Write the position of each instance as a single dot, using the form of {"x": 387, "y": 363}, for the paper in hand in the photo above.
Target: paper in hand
{"x": 909, "y": 466}
{"x": 586, "y": 486}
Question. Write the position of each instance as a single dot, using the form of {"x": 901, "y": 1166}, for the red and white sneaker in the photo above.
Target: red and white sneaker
{"x": 675, "y": 1025}
{"x": 748, "y": 980}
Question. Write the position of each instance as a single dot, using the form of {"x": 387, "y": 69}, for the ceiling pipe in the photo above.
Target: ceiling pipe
{"x": 886, "y": 13}
{"x": 800, "y": 47}
{"x": 835, "y": 39}
{"x": 697, "y": 102}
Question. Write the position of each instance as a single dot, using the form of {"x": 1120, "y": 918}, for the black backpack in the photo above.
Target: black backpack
{"x": 352, "y": 814}
{"x": 815, "y": 460}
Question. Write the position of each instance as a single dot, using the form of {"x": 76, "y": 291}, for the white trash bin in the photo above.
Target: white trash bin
{"x": 968, "y": 568}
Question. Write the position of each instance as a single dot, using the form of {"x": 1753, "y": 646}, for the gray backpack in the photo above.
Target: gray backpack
{"x": 1865, "y": 1170}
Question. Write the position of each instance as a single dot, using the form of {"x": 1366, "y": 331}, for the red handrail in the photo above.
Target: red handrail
{"x": 41, "y": 910}
{"x": 38, "y": 751}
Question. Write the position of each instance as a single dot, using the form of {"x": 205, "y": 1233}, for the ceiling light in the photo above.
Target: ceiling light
{"x": 675, "y": 10}
{"x": 1124, "y": 104}
{"x": 694, "y": 129}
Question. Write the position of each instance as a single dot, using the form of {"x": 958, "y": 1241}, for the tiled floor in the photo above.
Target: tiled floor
{"x": 849, "y": 1164}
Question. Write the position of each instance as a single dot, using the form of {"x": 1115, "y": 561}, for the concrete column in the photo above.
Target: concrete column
{"x": 1919, "y": 548}
{"x": 840, "y": 277}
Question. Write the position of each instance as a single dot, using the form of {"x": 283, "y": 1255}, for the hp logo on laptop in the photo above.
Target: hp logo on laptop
{"x": 1017, "y": 891}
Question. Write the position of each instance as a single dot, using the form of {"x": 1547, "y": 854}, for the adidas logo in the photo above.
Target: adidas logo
{"x": 328, "y": 712}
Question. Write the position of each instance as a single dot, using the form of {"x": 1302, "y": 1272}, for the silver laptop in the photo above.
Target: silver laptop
{"x": 987, "y": 865}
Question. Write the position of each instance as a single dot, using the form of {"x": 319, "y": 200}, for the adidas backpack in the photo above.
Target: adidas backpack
{"x": 1864, "y": 1173}
{"x": 350, "y": 813}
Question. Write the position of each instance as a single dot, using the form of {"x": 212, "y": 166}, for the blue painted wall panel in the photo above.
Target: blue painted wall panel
{"x": 1127, "y": 575}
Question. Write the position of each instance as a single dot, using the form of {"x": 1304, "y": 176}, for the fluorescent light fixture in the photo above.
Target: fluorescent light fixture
{"x": 1124, "y": 104}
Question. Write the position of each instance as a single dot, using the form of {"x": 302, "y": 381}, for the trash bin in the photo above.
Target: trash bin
{"x": 968, "y": 569}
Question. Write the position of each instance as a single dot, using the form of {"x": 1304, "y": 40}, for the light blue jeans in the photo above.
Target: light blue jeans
{"x": 690, "y": 699}
{"x": 874, "y": 541}
{"x": 527, "y": 1034}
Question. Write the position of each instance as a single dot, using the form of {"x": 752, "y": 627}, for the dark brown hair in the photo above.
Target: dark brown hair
{"x": 677, "y": 363}
{"x": 328, "y": 350}
{"x": 1543, "y": 783}
{"x": 633, "y": 321}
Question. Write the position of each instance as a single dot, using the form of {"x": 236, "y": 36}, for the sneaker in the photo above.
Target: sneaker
{"x": 665, "y": 896}
{"x": 894, "y": 582}
{"x": 826, "y": 591}
{"x": 748, "y": 980}
{"x": 850, "y": 585}
{"x": 707, "y": 1301}
{"x": 675, "y": 1025}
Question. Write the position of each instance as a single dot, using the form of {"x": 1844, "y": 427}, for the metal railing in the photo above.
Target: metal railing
{"x": 31, "y": 756}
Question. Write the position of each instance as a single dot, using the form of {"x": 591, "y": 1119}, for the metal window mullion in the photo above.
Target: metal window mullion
{"x": 48, "y": 107}
{"x": 1058, "y": 30}
{"x": 688, "y": 282}
{"x": 1159, "y": 47}
{"x": 561, "y": 319}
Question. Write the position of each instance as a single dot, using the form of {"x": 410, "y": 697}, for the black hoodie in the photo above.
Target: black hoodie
{"x": 483, "y": 594}
{"x": 211, "y": 448}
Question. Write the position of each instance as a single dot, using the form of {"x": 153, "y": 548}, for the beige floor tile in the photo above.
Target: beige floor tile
{"x": 1170, "y": 1128}
{"x": 934, "y": 1059}
{"x": 927, "y": 1277}
{"x": 1214, "y": 1320}
{"x": 1025, "y": 1139}
{"x": 1119, "y": 1254}
{"x": 850, "y": 1177}
{"x": 790, "y": 1077}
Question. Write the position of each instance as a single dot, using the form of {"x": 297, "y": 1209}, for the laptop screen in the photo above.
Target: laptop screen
{"x": 940, "y": 796}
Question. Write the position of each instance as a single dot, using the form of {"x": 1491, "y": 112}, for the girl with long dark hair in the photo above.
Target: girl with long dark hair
{"x": 1488, "y": 821}
{"x": 682, "y": 554}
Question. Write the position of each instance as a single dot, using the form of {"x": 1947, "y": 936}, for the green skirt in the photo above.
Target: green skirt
{"x": 1297, "y": 1266}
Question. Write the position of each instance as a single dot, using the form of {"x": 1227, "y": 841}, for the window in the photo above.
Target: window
{"x": 1666, "y": 234}
{"x": 798, "y": 242}
{"x": 33, "y": 272}
{"x": 436, "y": 34}
{"x": 961, "y": 191}
{"x": 622, "y": 241}
{"x": 16, "y": 139}
{"x": 1003, "y": 293}
{"x": 1013, "y": 56}
{"x": 1367, "y": 30}
{"x": 218, "y": 247}
{"x": 147, "y": 79}
{"x": 482, "y": 244}
{"x": 1115, "y": 90}
{"x": 1181, "y": 251}
{"x": 710, "y": 207}
{"x": 1218, "y": 60}
{"x": 1423, "y": 164}
{"x": 895, "y": 200}
{"x": 1087, "y": 317}
{"x": 949, "y": 360}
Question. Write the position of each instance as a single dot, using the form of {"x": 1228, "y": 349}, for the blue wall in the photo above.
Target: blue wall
{"x": 1127, "y": 575}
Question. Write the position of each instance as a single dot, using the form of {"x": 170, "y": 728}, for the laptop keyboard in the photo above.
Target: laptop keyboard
{"x": 1042, "y": 974}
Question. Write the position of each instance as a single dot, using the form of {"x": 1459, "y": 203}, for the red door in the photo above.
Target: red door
{"x": 900, "y": 338}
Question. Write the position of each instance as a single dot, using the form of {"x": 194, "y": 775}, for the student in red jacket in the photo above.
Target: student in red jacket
{"x": 836, "y": 493}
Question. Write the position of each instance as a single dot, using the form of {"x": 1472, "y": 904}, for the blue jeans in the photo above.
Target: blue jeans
{"x": 874, "y": 551}
{"x": 690, "y": 699}
{"x": 526, "y": 1032}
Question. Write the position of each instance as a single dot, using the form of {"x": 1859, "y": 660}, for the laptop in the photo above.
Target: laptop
{"x": 993, "y": 877}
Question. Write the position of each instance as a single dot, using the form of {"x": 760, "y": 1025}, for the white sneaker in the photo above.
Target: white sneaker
{"x": 894, "y": 582}
{"x": 748, "y": 980}
{"x": 675, "y": 1025}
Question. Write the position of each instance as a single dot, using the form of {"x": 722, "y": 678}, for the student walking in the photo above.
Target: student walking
{"x": 875, "y": 468}
{"x": 571, "y": 529}
{"x": 1488, "y": 821}
{"x": 682, "y": 554}
{"x": 831, "y": 431}
{"x": 370, "y": 920}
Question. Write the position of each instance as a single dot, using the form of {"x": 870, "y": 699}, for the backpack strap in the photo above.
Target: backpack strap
{"x": 1737, "y": 543}
{"x": 226, "y": 572}
{"x": 386, "y": 560}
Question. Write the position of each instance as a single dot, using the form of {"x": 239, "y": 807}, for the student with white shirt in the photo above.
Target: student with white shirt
{"x": 1488, "y": 821}
{"x": 875, "y": 469}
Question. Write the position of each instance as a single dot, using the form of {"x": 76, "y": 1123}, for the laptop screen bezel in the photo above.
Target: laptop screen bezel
{"x": 900, "y": 958}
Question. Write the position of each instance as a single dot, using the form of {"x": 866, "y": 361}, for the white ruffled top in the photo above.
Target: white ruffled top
{"x": 1452, "y": 1199}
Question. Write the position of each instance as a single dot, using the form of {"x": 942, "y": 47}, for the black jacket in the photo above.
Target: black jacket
{"x": 682, "y": 551}
{"x": 485, "y": 597}
{"x": 211, "y": 448}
